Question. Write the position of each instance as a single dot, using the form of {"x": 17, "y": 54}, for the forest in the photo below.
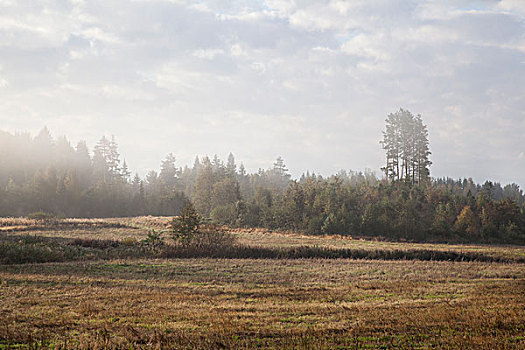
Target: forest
{"x": 47, "y": 175}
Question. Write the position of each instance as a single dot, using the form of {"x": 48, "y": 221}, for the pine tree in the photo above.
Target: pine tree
{"x": 82, "y": 164}
{"x": 100, "y": 156}
{"x": 279, "y": 168}
{"x": 185, "y": 226}
{"x": 106, "y": 160}
{"x": 422, "y": 151}
{"x": 168, "y": 172}
{"x": 391, "y": 143}
{"x": 231, "y": 167}
{"x": 113, "y": 159}
{"x": 124, "y": 172}
{"x": 204, "y": 187}
{"x": 242, "y": 170}
{"x": 405, "y": 141}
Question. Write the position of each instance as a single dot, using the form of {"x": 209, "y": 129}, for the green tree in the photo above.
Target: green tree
{"x": 231, "y": 167}
{"x": 225, "y": 192}
{"x": 204, "y": 187}
{"x": 405, "y": 141}
{"x": 168, "y": 172}
{"x": 185, "y": 226}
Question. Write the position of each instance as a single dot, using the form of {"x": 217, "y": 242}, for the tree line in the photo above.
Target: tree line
{"x": 46, "y": 174}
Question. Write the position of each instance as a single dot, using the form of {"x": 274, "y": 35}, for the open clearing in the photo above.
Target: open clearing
{"x": 268, "y": 303}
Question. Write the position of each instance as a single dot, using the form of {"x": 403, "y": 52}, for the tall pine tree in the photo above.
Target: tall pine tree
{"x": 405, "y": 141}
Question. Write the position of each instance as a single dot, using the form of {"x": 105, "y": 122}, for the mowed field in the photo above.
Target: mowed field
{"x": 94, "y": 300}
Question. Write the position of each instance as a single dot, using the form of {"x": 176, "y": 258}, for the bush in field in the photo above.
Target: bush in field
{"x": 30, "y": 249}
{"x": 187, "y": 229}
{"x": 212, "y": 236}
{"x": 154, "y": 240}
{"x": 185, "y": 226}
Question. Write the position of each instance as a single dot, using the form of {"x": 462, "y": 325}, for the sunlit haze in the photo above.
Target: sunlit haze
{"x": 311, "y": 81}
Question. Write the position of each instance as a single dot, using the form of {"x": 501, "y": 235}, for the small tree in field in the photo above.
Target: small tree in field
{"x": 185, "y": 227}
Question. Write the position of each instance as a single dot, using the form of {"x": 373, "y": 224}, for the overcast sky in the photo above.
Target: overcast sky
{"x": 311, "y": 81}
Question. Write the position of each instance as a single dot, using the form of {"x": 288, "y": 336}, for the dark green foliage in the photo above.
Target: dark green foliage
{"x": 188, "y": 231}
{"x": 39, "y": 174}
{"x": 393, "y": 211}
{"x": 184, "y": 228}
{"x": 153, "y": 239}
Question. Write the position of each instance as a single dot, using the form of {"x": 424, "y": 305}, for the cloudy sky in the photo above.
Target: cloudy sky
{"x": 311, "y": 81}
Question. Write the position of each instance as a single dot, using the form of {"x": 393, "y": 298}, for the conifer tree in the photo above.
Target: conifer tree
{"x": 405, "y": 141}
{"x": 168, "y": 172}
{"x": 124, "y": 172}
{"x": 231, "y": 167}
{"x": 204, "y": 187}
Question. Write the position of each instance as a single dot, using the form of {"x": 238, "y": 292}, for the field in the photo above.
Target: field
{"x": 102, "y": 288}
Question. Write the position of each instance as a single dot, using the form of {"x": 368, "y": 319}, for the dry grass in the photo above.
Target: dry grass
{"x": 265, "y": 238}
{"x": 245, "y": 303}
{"x": 137, "y": 228}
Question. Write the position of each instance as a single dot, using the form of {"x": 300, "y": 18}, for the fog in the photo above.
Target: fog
{"x": 310, "y": 81}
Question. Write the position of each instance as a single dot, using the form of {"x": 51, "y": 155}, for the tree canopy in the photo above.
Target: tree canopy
{"x": 42, "y": 174}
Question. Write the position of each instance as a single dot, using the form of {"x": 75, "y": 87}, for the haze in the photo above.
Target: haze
{"x": 310, "y": 81}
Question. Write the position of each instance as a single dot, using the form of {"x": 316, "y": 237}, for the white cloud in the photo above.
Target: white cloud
{"x": 368, "y": 46}
{"x": 208, "y": 54}
{"x": 306, "y": 77}
{"x": 98, "y": 34}
{"x": 126, "y": 93}
{"x": 512, "y": 6}
{"x": 237, "y": 50}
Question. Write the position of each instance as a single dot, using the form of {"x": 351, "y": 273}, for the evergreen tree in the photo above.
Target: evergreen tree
{"x": 124, "y": 172}
{"x": 101, "y": 155}
{"x": 242, "y": 170}
{"x": 279, "y": 168}
{"x": 113, "y": 159}
{"x": 204, "y": 187}
{"x": 168, "y": 172}
{"x": 231, "y": 167}
{"x": 405, "y": 141}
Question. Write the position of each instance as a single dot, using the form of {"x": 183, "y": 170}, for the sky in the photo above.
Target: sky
{"x": 311, "y": 81}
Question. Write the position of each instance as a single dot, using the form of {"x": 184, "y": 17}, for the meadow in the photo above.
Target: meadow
{"x": 100, "y": 284}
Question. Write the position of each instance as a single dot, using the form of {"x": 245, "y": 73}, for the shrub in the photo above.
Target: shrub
{"x": 187, "y": 230}
{"x": 153, "y": 240}
{"x": 29, "y": 249}
{"x": 185, "y": 226}
{"x": 212, "y": 236}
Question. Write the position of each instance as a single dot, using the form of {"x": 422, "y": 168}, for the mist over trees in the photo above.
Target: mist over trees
{"x": 45, "y": 174}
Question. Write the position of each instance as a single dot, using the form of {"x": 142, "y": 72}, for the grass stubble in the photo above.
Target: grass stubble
{"x": 213, "y": 303}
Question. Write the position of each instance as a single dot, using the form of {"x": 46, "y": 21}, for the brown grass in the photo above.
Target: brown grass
{"x": 138, "y": 227}
{"x": 265, "y": 238}
{"x": 273, "y": 303}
